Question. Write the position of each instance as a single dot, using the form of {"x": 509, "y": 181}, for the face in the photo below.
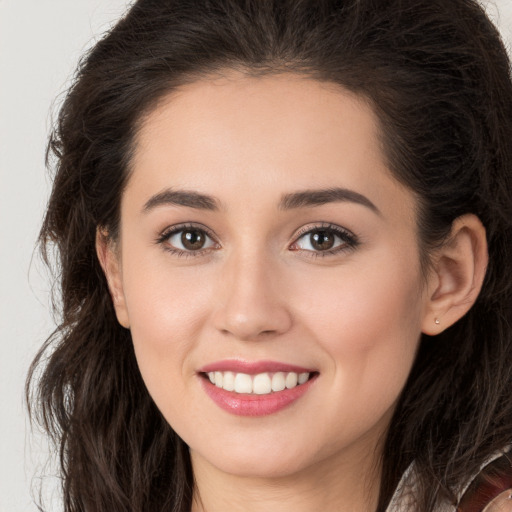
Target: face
{"x": 263, "y": 240}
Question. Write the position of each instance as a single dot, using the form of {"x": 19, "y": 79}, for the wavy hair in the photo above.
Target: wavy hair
{"x": 438, "y": 77}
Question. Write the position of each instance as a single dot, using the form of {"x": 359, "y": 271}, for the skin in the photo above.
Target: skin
{"x": 259, "y": 291}
{"x": 502, "y": 503}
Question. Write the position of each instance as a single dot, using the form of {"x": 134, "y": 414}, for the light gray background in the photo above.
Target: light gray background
{"x": 40, "y": 43}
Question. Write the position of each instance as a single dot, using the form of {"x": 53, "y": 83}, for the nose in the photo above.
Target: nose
{"x": 251, "y": 301}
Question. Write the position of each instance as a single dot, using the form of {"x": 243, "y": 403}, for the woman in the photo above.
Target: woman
{"x": 284, "y": 231}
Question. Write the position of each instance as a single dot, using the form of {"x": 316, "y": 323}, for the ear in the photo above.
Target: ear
{"x": 111, "y": 264}
{"x": 457, "y": 276}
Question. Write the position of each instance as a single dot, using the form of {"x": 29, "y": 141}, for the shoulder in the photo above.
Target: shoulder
{"x": 488, "y": 491}
{"x": 491, "y": 489}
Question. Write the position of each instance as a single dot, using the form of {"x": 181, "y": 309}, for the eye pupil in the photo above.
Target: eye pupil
{"x": 193, "y": 239}
{"x": 322, "y": 240}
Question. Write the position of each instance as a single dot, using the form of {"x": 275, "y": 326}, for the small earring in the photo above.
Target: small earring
{"x": 437, "y": 321}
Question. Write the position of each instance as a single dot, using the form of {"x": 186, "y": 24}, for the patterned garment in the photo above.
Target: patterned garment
{"x": 489, "y": 491}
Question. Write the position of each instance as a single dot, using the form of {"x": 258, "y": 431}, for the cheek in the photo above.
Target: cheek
{"x": 368, "y": 322}
{"x": 162, "y": 299}
{"x": 369, "y": 329}
{"x": 166, "y": 313}
{"x": 359, "y": 307}
{"x": 167, "y": 308}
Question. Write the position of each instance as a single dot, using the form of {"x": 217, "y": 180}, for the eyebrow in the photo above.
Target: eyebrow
{"x": 302, "y": 199}
{"x": 187, "y": 198}
{"x": 307, "y": 198}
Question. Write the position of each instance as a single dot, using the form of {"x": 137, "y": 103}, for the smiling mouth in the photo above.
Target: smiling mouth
{"x": 260, "y": 384}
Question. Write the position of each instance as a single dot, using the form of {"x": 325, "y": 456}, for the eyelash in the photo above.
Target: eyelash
{"x": 174, "y": 230}
{"x": 349, "y": 240}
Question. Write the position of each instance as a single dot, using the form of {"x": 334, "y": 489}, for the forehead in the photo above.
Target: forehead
{"x": 236, "y": 107}
{"x": 269, "y": 133}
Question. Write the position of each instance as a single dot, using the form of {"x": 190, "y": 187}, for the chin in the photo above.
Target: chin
{"x": 257, "y": 462}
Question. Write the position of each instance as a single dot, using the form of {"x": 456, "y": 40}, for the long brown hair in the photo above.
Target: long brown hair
{"x": 438, "y": 77}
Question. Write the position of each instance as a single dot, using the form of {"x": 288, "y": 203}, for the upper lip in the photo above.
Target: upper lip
{"x": 252, "y": 367}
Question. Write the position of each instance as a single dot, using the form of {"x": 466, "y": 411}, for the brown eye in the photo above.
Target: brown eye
{"x": 193, "y": 240}
{"x": 183, "y": 240}
{"x": 322, "y": 240}
{"x": 325, "y": 239}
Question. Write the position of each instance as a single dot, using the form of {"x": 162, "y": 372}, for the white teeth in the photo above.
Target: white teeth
{"x": 228, "y": 381}
{"x": 303, "y": 377}
{"x": 291, "y": 380}
{"x": 261, "y": 384}
{"x": 243, "y": 383}
{"x": 278, "y": 381}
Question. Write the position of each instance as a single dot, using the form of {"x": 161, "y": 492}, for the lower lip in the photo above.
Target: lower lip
{"x": 255, "y": 405}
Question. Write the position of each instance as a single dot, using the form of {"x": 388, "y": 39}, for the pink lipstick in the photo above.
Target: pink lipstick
{"x": 255, "y": 388}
